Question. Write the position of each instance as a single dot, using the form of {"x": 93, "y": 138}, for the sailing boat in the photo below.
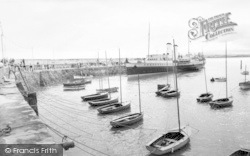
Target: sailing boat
{"x": 115, "y": 107}
{"x": 223, "y": 102}
{"x": 205, "y": 97}
{"x": 246, "y": 84}
{"x": 109, "y": 90}
{"x": 96, "y": 96}
{"x": 112, "y": 89}
{"x": 171, "y": 92}
{"x": 174, "y": 139}
{"x": 163, "y": 87}
{"x": 243, "y": 151}
{"x": 131, "y": 118}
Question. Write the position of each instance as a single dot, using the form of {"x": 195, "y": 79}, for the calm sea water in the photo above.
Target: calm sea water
{"x": 214, "y": 132}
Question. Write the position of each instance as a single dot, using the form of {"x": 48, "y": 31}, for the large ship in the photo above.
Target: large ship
{"x": 157, "y": 63}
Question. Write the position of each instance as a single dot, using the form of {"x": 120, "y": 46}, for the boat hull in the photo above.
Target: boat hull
{"x": 143, "y": 69}
{"x": 163, "y": 89}
{"x": 103, "y": 102}
{"x": 125, "y": 121}
{"x": 171, "y": 93}
{"x": 221, "y": 103}
{"x": 68, "y": 84}
{"x": 173, "y": 146}
{"x": 218, "y": 80}
{"x": 207, "y": 98}
{"x": 95, "y": 97}
{"x": 110, "y": 90}
{"x": 73, "y": 88}
{"x": 245, "y": 85}
{"x": 116, "y": 107}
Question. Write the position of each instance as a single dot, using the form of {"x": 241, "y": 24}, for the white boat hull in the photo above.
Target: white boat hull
{"x": 125, "y": 120}
{"x": 115, "y": 107}
{"x": 175, "y": 145}
{"x": 103, "y": 102}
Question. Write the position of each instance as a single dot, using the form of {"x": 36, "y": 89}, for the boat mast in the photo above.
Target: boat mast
{"x": 179, "y": 123}
{"x": 205, "y": 74}
{"x": 120, "y": 75}
{"x": 226, "y": 67}
{"x": 139, "y": 92}
{"x": 245, "y": 73}
{"x": 167, "y": 62}
{"x": 148, "y": 38}
{"x": 107, "y": 72}
{"x": 2, "y": 41}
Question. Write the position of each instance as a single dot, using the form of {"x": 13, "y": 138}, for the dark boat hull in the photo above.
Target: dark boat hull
{"x": 159, "y": 69}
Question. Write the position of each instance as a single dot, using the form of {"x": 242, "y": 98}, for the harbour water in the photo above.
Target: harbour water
{"x": 216, "y": 132}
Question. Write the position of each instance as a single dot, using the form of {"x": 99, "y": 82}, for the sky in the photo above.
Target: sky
{"x": 69, "y": 29}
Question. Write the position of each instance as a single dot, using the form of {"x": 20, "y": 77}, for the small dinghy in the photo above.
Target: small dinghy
{"x": 73, "y": 88}
{"x": 76, "y": 83}
{"x": 220, "y": 103}
{"x": 160, "y": 86}
{"x": 126, "y": 120}
{"x": 109, "y": 90}
{"x": 245, "y": 73}
{"x": 219, "y": 79}
{"x": 170, "y": 141}
{"x": 79, "y": 77}
{"x": 244, "y": 85}
{"x": 95, "y": 96}
{"x": 170, "y": 93}
{"x": 104, "y": 101}
{"x": 164, "y": 89}
{"x": 243, "y": 151}
{"x": 205, "y": 97}
{"x": 111, "y": 108}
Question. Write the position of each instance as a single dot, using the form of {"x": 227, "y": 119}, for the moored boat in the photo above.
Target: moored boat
{"x": 221, "y": 103}
{"x": 170, "y": 93}
{"x": 243, "y": 151}
{"x": 79, "y": 77}
{"x": 164, "y": 89}
{"x": 218, "y": 79}
{"x": 76, "y": 82}
{"x": 131, "y": 118}
{"x": 227, "y": 101}
{"x": 127, "y": 120}
{"x": 244, "y": 85}
{"x": 205, "y": 97}
{"x": 104, "y": 101}
{"x": 245, "y": 73}
{"x": 110, "y": 90}
{"x": 115, "y": 107}
{"x": 95, "y": 96}
{"x": 173, "y": 139}
{"x": 169, "y": 142}
{"x": 73, "y": 88}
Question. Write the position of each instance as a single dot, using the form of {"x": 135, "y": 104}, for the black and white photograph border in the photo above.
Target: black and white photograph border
{"x": 124, "y": 77}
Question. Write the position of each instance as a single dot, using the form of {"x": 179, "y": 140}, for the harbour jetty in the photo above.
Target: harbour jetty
{"x": 19, "y": 123}
{"x": 39, "y": 78}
